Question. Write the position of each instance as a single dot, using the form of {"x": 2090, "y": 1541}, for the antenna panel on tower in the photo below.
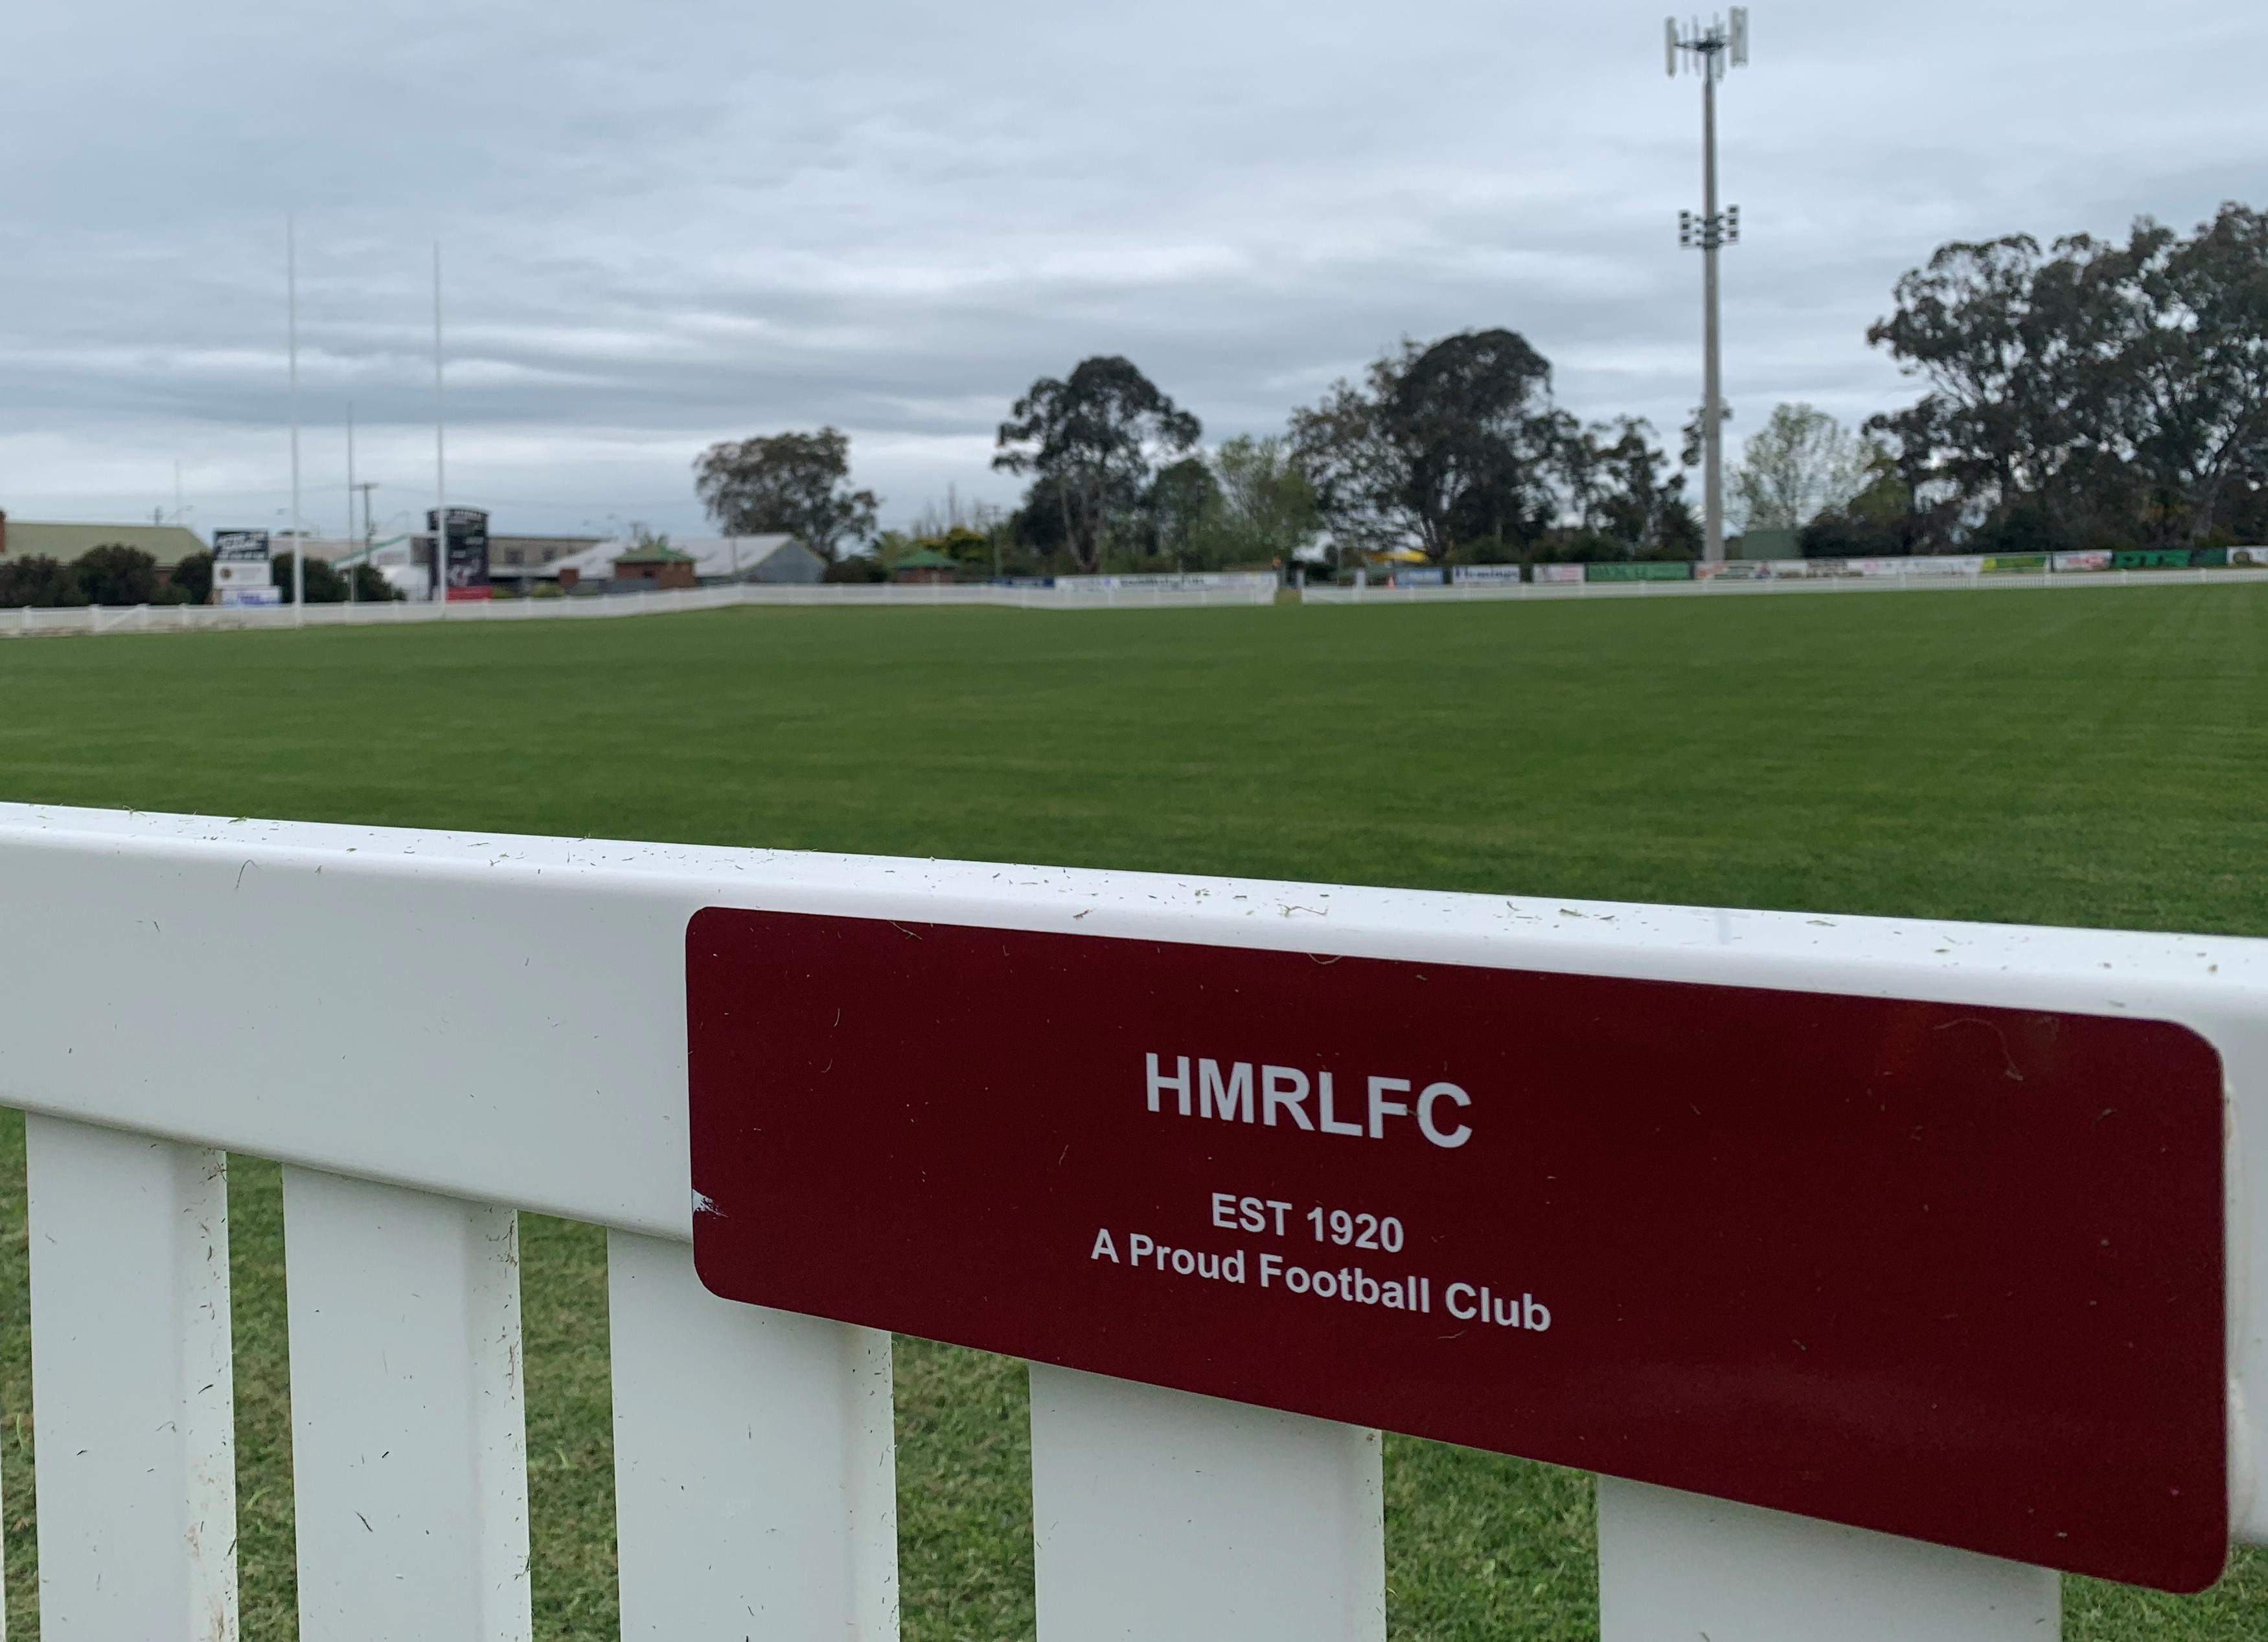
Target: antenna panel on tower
{"x": 1740, "y": 41}
{"x": 1669, "y": 49}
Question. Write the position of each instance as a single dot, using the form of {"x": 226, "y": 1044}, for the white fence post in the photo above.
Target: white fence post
{"x": 1158, "y": 1516}
{"x": 1673, "y": 1566}
{"x": 410, "y": 1465}
{"x": 131, "y": 1385}
{"x": 755, "y": 1463}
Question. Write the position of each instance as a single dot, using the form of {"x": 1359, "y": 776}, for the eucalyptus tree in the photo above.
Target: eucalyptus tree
{"x": 795, "y": 483}
{"x": 1091, "y": 441}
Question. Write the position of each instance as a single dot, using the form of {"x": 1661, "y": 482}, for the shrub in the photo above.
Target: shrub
{"x": 114, "y": 573}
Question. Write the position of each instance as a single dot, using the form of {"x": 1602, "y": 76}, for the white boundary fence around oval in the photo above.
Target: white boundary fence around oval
{"x": 433, "y": 1030}
{"x": 1722, "y": 587}
{"x": 26, "y": 622}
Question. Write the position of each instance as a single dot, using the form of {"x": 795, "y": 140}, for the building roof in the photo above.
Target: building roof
{"x": 715, "y": 557}
{"x": 168, "y": 544}
{"x": 654, "y": 554}
{"x": 927, "y": 558}
{"x": 728, "y": 558}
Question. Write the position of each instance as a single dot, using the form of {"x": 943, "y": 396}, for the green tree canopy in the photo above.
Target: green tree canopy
{"x": 1266, "y": 510}
{"x": 1801, "y": 463}
{"x": 795, "y": 483}
{"x": 114, "y": 573}
{"x": 2115, "y": 391}
{"x": 1447, "y": 442}
{"x": 1092, "y": 439}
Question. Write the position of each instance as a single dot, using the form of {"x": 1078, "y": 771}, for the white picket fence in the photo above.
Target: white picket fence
{"x": 1923, "y": 579}
{"x": 434, "y": 1030}
{"x": 26, "y": 622}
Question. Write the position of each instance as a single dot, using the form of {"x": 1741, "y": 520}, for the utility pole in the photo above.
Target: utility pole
{"x": 350, "y": 495}
{"x": 1710, "y": 51}
{"x": 440, "y": 459}
{"x": 291, "y": 322}
{"x": 369, "y": 530}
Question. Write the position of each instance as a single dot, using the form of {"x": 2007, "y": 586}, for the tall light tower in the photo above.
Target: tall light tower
{"x": 1709, "y": 52}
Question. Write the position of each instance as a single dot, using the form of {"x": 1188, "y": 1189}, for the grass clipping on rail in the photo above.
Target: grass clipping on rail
{"x": 2092, "y": 757}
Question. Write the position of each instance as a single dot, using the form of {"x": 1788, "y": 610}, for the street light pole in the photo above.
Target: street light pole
{"x": 1710, "y": 51}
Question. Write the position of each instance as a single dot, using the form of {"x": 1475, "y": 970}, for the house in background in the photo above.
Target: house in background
{"x": 654, "y": 564}
{"x": 928, "y": 564}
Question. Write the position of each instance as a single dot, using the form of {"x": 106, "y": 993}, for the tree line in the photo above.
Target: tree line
{"x": 2084, "y": 393}
{"x": 114, "y": 573}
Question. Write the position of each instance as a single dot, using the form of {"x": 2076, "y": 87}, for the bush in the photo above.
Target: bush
{"x": 370, "y": 587}
{"x": 39, "y": 580}
{"x": 325, "y": 585}
{"x": 193, "y": 578}
{"x": 116, "y": 574}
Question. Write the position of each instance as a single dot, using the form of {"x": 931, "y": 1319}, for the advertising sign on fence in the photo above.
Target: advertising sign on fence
{"x": 1169, "y": 581}
{"x": 1639, "y": 570}
{"x": 1559, "y": 572}
{"x": 1942, "y": 1271}
{"x": 468, "y": 555}
{"x": 1485, "y": 575}
{"x": 1418, "y": 576}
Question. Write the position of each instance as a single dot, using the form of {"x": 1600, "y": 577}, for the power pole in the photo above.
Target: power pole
{"x": 440, "y": 454}
{"x": 350, "y": 496}
{"x": 1710, "y": 51}
{"x": 291, "y": 322}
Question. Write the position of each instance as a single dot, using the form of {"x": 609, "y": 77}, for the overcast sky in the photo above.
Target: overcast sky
{"x": 684, "y": 221}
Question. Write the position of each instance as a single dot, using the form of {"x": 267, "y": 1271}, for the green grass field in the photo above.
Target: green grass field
{"x": 2093, "y": 757}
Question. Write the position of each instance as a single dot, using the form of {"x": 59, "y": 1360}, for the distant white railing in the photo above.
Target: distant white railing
{"x": 28, "y": 621}
{"x": 431, "y": 1030}
{"x": 25, "y": 621}
{"x": 1718, "y": 586}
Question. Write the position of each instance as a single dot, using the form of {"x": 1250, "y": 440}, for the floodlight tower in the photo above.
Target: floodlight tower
{"x": 1709, "y": 52}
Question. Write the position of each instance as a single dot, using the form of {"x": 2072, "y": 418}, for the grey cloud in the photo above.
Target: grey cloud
{"x": 694, "y": 220}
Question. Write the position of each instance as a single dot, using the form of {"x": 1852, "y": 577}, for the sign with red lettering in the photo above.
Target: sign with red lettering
{"x": 1945, "y": 1271}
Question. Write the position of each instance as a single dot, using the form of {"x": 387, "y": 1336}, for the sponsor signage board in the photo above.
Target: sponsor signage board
{"x": 1945, "y": 1271}
{"x": 240, "y": 547}
{"x": 241, "y": 572}
{"x": 1638, "y": 570}
{"x": 467, "y": 557}
{"x": 1465, "y": 575}
{"x": 1171, "y": 581}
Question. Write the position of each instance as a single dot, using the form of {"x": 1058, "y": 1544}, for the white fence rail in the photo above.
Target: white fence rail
{"x": 451, "y": 1027}
{"x": 1722, "y": 587}
{"x": 26, "y": 622}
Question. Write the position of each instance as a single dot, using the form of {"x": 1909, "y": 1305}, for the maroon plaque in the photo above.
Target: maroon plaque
{"x": 1945, "y": 1271}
